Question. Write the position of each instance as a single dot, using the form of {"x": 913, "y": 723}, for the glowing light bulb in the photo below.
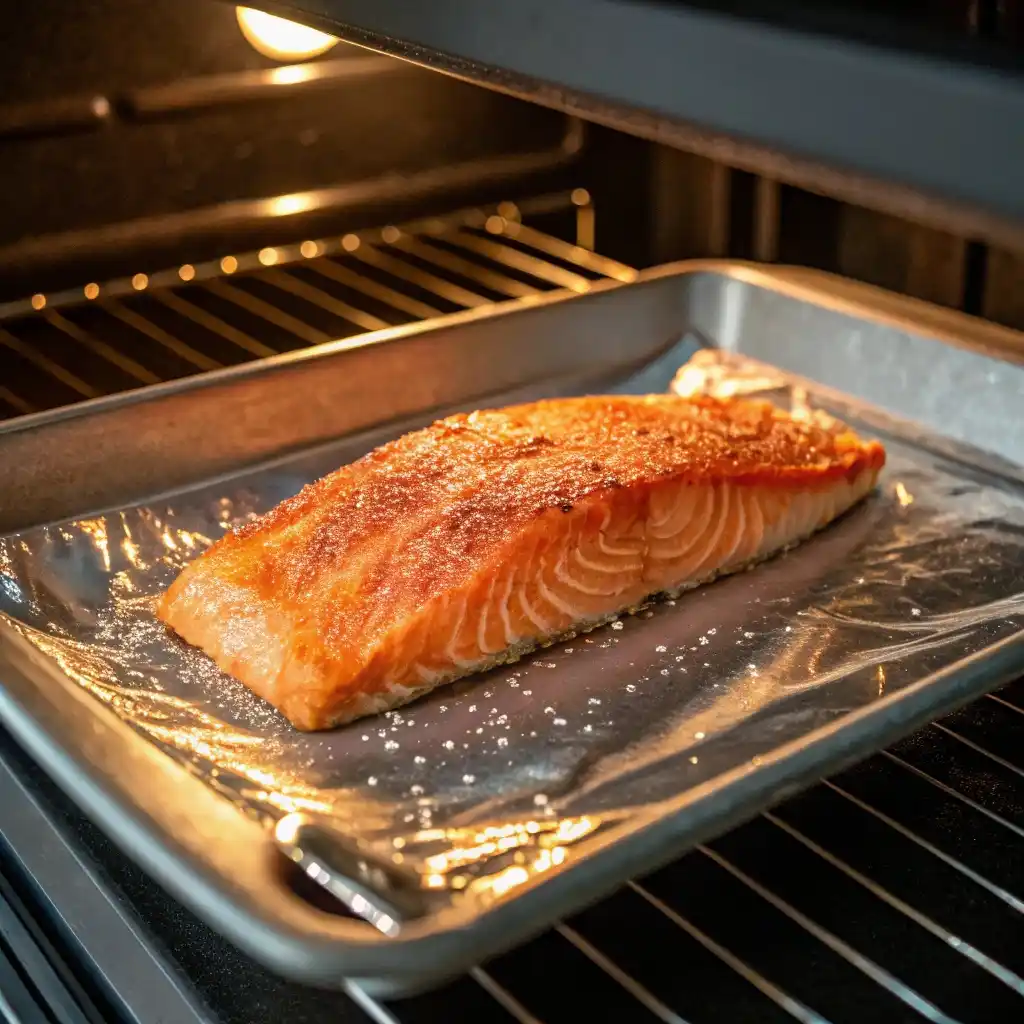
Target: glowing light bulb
{"x": 281, "y": 39}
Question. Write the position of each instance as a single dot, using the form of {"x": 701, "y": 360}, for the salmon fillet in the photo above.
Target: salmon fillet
{"x": 467, "y": 544}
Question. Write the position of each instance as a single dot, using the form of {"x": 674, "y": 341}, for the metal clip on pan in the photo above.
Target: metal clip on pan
{"x": 383, "y": 894}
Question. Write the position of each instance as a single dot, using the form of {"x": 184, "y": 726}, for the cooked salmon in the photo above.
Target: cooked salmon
{"x": 467, "y": 544}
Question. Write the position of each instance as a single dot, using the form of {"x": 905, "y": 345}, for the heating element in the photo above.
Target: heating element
{"x": 893, "y": 892}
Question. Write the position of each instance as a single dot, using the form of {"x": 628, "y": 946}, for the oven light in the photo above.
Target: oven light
{"x": 281, "y": 39}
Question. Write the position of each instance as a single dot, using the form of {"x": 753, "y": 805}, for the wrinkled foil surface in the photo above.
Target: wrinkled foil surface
{"x": 485, "y": 783}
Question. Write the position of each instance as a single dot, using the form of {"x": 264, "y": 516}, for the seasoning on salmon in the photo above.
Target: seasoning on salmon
{"x": 464, "y": 545}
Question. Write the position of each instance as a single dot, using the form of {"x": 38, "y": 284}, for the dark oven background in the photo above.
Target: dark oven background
{"x": 136, "y": 135}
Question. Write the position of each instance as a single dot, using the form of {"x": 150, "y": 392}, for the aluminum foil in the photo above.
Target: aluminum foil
{"x": 486, "y": 782}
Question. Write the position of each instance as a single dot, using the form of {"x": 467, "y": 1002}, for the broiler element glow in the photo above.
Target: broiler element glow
{"x": 281, "y": 39}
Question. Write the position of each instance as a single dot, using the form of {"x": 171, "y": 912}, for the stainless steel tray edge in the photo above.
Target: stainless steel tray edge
{"x": 77, "y": 460}
{"x": 166, "y": 436}
{"x": 223, "y": 866}
{"x": 917, "y": 362}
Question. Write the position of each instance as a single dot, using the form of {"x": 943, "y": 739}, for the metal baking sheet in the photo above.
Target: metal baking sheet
{"x": 516, "y": 795}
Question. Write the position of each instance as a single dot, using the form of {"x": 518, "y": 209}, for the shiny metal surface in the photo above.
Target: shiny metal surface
{"x": 920, "y": 838}
{"x": 610, "y": 773}
{"x": 378, "y": 889}
{"x": 841, "y": 109}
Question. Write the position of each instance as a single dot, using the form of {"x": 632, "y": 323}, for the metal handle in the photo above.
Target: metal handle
{"x": 382, "y": 893}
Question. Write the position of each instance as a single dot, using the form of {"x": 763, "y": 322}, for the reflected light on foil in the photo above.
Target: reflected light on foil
{"x": 571, "y": 830}
{"x": 10, "y": 588}
{"x": 903, "y": 496}
{"x": 192, "y": 540}
{"x": 97, "y": 530}
{"x": 281, "y": 39}
{"x": 534, "y": 846}
{"x": 131, "y": 552}
{"x": 503, "y": 881}
{"x": 230, "y": 750}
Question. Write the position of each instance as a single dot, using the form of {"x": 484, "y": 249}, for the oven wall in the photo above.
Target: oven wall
{"x": 127, "y": 112}
{"x": 697, "y": 207}
{"x": 700, "y": 208}
{"x": 122, "y": 111}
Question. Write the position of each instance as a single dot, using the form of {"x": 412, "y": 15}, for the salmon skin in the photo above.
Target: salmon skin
{"x": 467, "y": 544}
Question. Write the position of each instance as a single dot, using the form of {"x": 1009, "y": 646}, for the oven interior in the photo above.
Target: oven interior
{"x": 189, "y": 188}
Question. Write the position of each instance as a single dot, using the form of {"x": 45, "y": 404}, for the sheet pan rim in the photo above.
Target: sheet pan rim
{"x": 311, "y": 946}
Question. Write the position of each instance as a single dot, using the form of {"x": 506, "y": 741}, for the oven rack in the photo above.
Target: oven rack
{"x": 100, "y": 338}
{"x": 893, "y": 892}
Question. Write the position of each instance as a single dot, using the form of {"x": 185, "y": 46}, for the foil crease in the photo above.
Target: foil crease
{"x": 483, "y": 784}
